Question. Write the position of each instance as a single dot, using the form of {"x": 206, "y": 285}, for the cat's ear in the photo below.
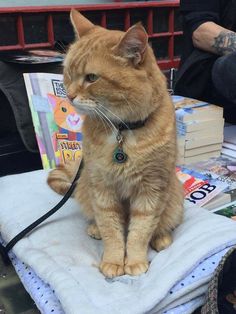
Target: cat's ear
{"x": 80, "y": 23}
{"x": 134, "y": 44}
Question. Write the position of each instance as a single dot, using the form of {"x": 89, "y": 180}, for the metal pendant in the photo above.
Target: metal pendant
{"x": 119, "y": 155}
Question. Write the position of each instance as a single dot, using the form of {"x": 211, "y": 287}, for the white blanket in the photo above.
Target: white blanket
{"x": 61, "y": 253}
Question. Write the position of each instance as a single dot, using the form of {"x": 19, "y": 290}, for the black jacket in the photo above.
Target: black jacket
{"x": 194, "y": 76}
{"x": 196, "y": 12}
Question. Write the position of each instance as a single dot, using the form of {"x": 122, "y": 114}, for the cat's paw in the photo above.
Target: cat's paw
{"x": 162, "y": 242}
{"x": 94, "y": 232}
{"x": 136, "y": 268}
{"x": 111, "y": 270}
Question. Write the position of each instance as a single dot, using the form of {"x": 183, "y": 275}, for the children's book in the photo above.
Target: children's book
{"x": 198, "y": 188}
{"x": 58, "y": 127}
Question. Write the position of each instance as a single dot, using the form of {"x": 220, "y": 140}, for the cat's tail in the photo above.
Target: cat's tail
{"x": 60, "y": 178}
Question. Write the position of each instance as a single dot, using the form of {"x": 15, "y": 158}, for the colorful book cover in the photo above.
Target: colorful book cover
{"x": 223, "y": 169}
{"x": 228, "y": 210}
{"x": 198, "y": 188}
{"x": 58, "y": 127}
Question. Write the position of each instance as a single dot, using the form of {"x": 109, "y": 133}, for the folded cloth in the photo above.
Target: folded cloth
{"x": 47, "y": 302}
{"x": 63, "y": 256}
{"x": 42, "y": 294}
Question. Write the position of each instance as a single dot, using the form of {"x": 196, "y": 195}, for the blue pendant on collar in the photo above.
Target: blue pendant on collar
{"x": 119, "y": 155}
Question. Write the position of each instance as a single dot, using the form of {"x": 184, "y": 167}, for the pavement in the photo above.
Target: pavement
{"x": 14, "y": 299}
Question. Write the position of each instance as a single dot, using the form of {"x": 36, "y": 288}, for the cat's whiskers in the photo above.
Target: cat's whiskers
{"x": 114, "y": 115}
{"x": 102, "y": 119}
{"x": 110, "y": 123}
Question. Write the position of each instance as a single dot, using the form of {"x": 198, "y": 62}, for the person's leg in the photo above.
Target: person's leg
{"x": 224, "y": 77}
{"x": 224, "y": 85}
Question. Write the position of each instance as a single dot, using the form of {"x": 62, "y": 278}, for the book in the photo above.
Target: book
{"x": 202, "y": 150}
{"x": 219, "y": 200}
{"x": 58, "y": 127}
{"x": 229, "y": 146}
{"x": 197, "y": 125}
{"x": 232, "y": 193}
{"x": 33, "y": 56}
{"x": 189, "y": 109}
{"x": 200, "y": 157}
{"x": 198, "y": 188}
{"x": 228, "y": 152}
{"x": 208, "y": 140}
{"x": 221, "y": 168}
{"x": 228, "y": 210}
{"x": 230, "y": 134}
{"x": 211, "y": 132}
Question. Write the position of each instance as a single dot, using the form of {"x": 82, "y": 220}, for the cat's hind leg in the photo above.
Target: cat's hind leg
{"x": 170, "y": 218}
{"x": 161, "y": 240}
{"x": 162, "y": 235}
{"x": 60, "y": 178}
{"x": 93, "y": 231}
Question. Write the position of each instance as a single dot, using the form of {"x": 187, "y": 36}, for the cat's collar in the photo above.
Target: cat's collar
{"x": 119, "y": 156}
{"x": 130, "y": 125}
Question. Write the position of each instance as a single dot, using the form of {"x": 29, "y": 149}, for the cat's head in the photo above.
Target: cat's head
{"x": 112, "y": 72}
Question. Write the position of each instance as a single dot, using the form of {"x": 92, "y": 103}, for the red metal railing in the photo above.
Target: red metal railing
{"x": 160, "y": 19}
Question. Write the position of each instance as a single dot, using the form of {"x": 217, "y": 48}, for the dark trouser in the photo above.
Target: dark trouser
{"x": 224, "y": 84}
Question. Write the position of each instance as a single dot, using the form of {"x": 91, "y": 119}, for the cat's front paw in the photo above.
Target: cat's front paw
{"x": 135, "y": 269}
{"x": 111, "y": 270}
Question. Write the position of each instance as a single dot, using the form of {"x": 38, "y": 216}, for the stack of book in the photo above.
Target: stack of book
{"x": 229, "y": 144}
{"x": 200, "y": 128}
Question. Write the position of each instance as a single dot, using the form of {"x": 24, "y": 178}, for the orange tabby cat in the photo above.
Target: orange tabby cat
{"x": 112, "y": 76}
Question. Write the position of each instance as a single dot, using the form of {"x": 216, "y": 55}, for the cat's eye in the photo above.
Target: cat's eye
{"x": 91, "y": 77}
{"x": 63, "y": 109}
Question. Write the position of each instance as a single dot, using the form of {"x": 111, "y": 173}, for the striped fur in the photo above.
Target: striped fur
{"x": 141, "y": 201}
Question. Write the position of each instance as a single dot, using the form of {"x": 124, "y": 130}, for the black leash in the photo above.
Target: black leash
{"x": 118, "y": 156}
{"x": 4, "y": 250}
